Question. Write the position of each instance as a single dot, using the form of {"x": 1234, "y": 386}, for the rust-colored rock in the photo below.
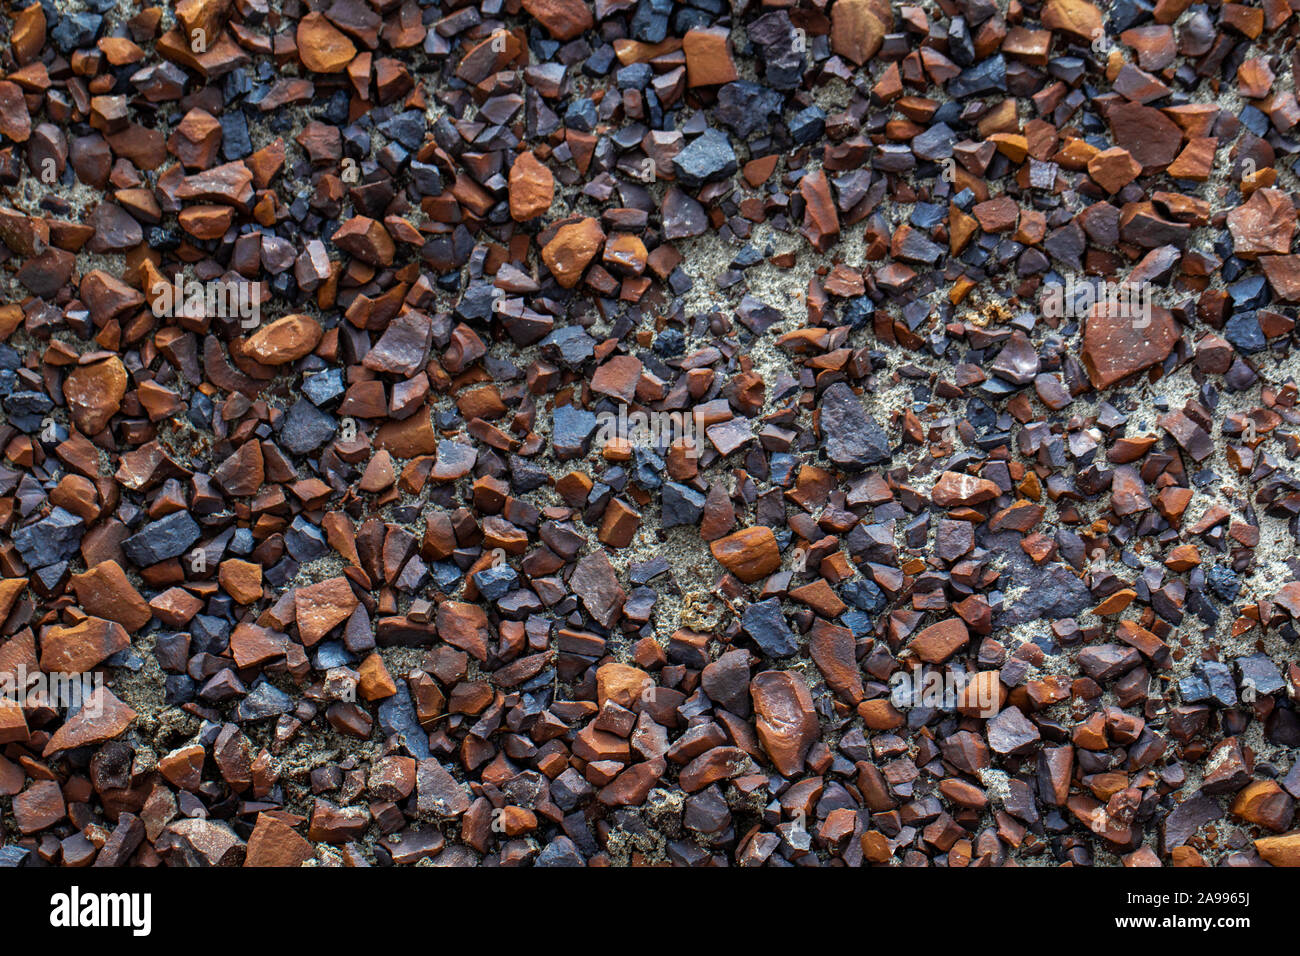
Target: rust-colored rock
{"x": 787, "y": 722}
{"x": 15, "y": 121}
{"x": 749, "y": 554}
{"x": 1281, "y": 850}
{"x": 708, "y": 57}
{"x": 621, "y": 683}
{"x": 242, "y": 580}
{"x": 955, "y": 488}
{"x": 465, "y": 626}
{"x": 10, "y": 589}
{"x": 321, "y": 47}
{"x": 94, "y": 393}
{"x": 105, "y": 591}
{"x": 1113, "y": 169}
{"x": 858, "y": 28}
{"x": 275, "y": 843}
{"x": 39, "y": 806}
{"x": 571, "y": 249}
{"x": 77, "y": 649}
{"x": 205, "y": 16}
{"x": 1263, "y": 225}
{"x": 243, "y": 472}
{"x": 938, "y": 642}
{"x": 1265, "y": 804}
{"x": 320, "y": 607}
{"x": 821, "y": 221}
{"x": 28, "y": 34}
{"x": 1080, "y": 19}
{"x": 563, "y": 19}
{"x": 102, "y": 717}
{"x": 1119, "y": 341}
{"x": 285, "y": 340}
{"x": 532, "y": 188}
{"x": 1149, "y": 136}
{"x": 366, "y": 239}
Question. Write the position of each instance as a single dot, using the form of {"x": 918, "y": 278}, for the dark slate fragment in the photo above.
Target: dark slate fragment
{"x": 988, "y": 76}
{"x": 781, "y": 47}
{"x": 1067, "y": 244}
{"x": 55, "y": 538}
{"x": 680, "y": 505}
{"x": 707, "y": 158}
{"x": 1243, "y": 331}
{"x": 324, "y": 387}
{"x": 76, "y": 31}
{"x": 853, "y": 438}
{"x": 305, "y": 541}
{"x": 1124, "y": 14}
{"x": 1193, "y": 689}
{"x": 397, "y": 718}
{"x": 26, "y": 410}
{"x": 236, "y": 142}
{"x": 407, "y": 128}
{"x": 934, "y": 143}
{"x": 560, "y": 852}
{"x": 864, "y": 595}
{"x": 427, "y": 178}
{"x": 766, "y": 626}
{"x": 571, "y": 430}
{"x": 916, "y": 247}
{"x": 807, "y": 125}
{"x": 634, "y": 76}
{"x": 649, "y": 21}
{"x": 1260, "y": 673}
{"x": 1223, "y": 582}
{"x": 159, "y": 540}
{"x": 1050, "y": 593}
{"x": 746, "y": 108}
{"x": 178, "y": 689}
{"x": 495, "y": 582}
{"x": 570, "y": 345}
{"x": 682, "y": 216}
{"x": 1011, "y": 732}
{"x": 1218, "y": 678}
{"x": 961, "y": 47}
{"x": 1186, "y": 818}
{"x": 305, "y": 428}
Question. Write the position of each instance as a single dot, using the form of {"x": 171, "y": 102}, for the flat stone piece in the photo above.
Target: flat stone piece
{"x": 102, "y": 717}
{"x": 766, "y": 626}
{"x": 595, "y": 582}
{"x": 1118, "y": 343}
{"x": 94, "y": 393}
{"x": 787, "y": 723}
{"x": 321, "y": 47}
{"x": 749, "y": 554}
{"x": 159, "y": 540}
{"x": 285, "y": 340}
{"x": 572, "y": 248}
{"x": 438, "y": 792}
{"x": 1010, "y": 732}
{"x": 79, "y": 648}
{"x": 320, "y": 607}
